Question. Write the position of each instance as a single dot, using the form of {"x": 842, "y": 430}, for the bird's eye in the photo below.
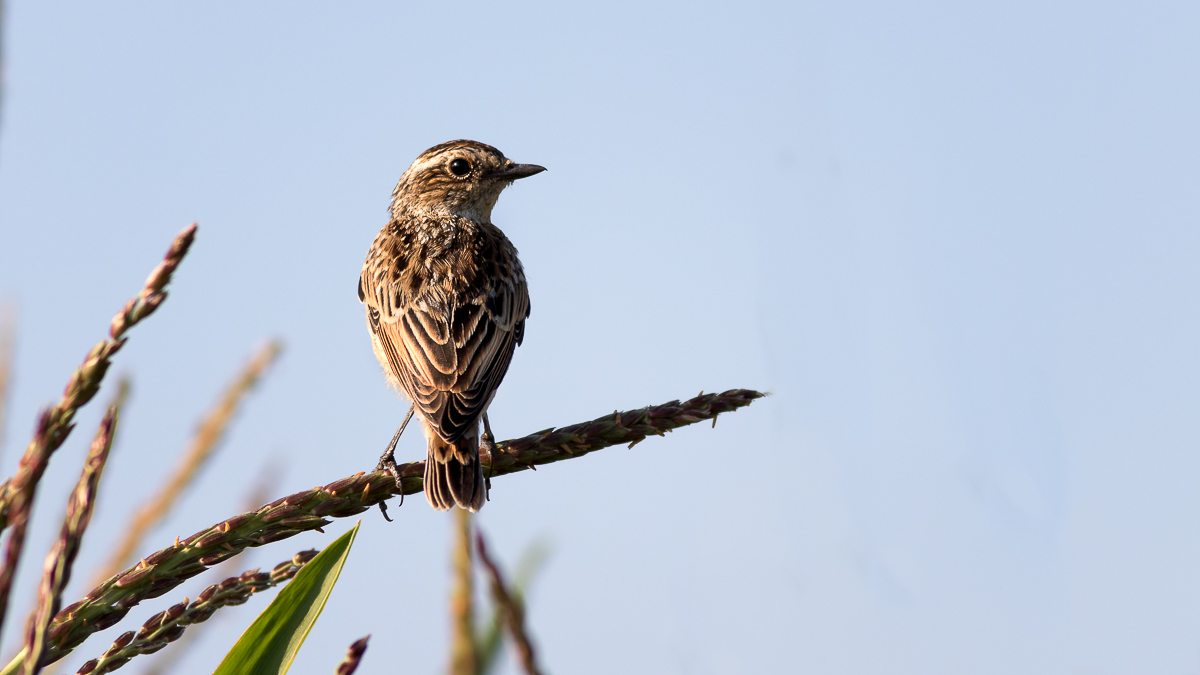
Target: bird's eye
{"x": 460, "y": 167}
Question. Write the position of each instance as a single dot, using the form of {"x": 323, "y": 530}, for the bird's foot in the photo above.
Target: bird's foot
{"x": 487, "y": 443}
{"x": 387, "y": 462}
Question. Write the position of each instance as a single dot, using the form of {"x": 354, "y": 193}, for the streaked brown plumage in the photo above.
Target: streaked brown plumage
{"x": 446, "y": 303}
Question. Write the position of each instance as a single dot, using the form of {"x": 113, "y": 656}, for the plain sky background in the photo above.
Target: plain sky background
{"x": 959, "y": 242}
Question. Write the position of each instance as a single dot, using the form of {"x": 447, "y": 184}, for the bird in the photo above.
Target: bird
{"x": 446, "y": 301}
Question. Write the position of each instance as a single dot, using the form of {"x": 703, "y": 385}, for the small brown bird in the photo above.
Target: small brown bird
{"x": 446, "y": 304}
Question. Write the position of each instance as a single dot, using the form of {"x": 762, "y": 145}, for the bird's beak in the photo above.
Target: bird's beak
{"x": 515, "y": 171}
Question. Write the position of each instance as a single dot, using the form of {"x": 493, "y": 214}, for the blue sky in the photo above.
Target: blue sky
{"x": 957, "y": 242}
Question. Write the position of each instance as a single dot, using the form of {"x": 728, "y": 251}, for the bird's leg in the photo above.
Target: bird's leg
{"x": 487, "y": 442}
{"x": 387, "y": 461}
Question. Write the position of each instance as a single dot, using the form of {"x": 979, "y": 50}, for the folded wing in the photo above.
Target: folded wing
{"x": 450, "y": 356}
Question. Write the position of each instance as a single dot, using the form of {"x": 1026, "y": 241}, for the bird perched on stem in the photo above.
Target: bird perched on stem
{"x": 446, "y": 304}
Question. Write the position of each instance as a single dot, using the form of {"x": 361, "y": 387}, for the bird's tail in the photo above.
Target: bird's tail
{"x": 453, "y": 474}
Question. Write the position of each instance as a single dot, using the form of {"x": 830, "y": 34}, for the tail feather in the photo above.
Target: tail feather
{"x": 453, "y": 474}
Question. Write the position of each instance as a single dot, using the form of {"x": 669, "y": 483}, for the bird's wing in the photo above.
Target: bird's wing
{"x": 450, "y": 354}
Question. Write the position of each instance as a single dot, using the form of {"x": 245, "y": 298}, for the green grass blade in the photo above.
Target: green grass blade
{"x": 269, "y": 645}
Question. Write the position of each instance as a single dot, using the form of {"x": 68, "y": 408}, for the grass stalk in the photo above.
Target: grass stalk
{"x": 62, "y": 554}
{"x": 288, "y": 516}
{"x": 8, "y": 341}
{"x": 463, "y": 658}
{"x": 55, "y": 423}
{"x": 169, "y": 625}
{"x": 207, "y": 438}
{"x": 262, "y": 490}
{"x": 489, "y": 640}
{"x": 353, "y": 656}
{"x": 513, "y": 609}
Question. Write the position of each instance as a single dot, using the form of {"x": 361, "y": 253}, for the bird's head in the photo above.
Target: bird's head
{"x": 462, "y": 178}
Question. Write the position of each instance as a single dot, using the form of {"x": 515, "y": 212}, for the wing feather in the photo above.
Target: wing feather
{"x": 437, "y": 358}
{"x": 449, "y": 362}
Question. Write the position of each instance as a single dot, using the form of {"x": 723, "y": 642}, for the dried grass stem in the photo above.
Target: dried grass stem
{"x": 353, "y": 656}
{"x": 288, "y": 516}
{"x": 62, "y": 554}
{"x": 208, "y": 436}
{"x": 513, "y": 609}
{"x": 169, "y": 625}
{"x": 56, "y": 423}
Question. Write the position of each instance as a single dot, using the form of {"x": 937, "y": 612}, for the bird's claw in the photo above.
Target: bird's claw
{"x": 389, "y": 465}
{"x": 383, "y": 510}
{"x": 387, "y": 462}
